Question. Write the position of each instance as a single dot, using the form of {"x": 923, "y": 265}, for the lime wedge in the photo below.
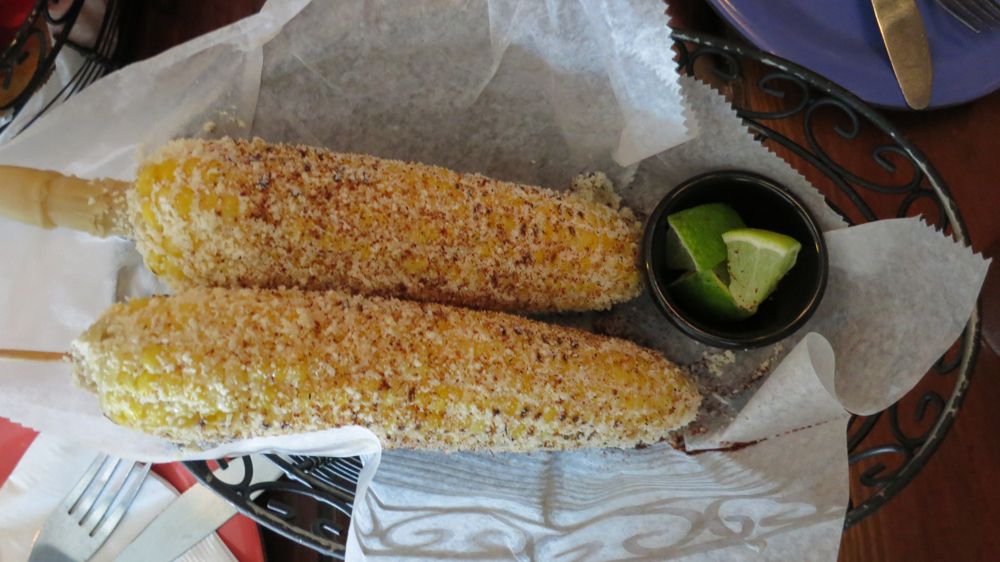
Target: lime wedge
{"x": 705, "y": 294}
{"x": 758, "y": 259}
{"x": 695, "y": 237}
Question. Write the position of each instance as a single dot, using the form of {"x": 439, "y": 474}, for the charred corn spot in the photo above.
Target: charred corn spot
{"x": 322, "y": 220}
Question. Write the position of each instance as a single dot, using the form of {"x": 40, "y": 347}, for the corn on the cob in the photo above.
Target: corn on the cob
{"x": 210, "y": 365}
{"x": 235, "y": 213}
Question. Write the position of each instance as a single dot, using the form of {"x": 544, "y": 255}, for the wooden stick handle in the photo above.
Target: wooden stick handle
{"x": 29, "y": 355}
{"x": 49, "y": 199}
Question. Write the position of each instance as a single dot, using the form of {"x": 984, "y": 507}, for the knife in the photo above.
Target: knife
{"x": 909, "y": 53}
{"x": 197, "y": 513}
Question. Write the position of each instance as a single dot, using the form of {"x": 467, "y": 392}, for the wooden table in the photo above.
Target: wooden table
{"x": 950, "y": 510}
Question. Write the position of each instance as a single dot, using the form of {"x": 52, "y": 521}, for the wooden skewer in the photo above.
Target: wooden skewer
{"x": 29, "y": 355}
{"x": 50, "y": 199}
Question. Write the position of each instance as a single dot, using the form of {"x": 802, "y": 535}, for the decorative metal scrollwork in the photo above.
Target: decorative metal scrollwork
{"x": 325, "y": 486}
{"x": 892, "y": 455}
{"x": 41, "y": 38}
{"x": 885, "y": 453}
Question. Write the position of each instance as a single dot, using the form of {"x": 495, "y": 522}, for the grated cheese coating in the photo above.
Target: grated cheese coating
{"x": 239, "y": 213}
{"x": 212, "y": 365}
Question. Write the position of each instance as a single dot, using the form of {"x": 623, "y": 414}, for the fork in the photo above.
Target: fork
{"x": 975, "y": 14}
{"x": 91, "y": 511}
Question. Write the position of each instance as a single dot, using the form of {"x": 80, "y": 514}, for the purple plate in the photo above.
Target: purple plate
{"x": 840, "y": 40}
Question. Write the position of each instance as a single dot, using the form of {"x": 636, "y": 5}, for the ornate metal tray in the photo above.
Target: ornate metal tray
{"x": 312, "y": 507}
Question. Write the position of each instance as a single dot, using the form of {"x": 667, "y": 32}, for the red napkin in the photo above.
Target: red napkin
{"x": 239, "y": 534}
{"x": 12, "y": 15}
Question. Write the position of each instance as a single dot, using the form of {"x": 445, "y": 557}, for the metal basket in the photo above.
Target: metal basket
{"x": 312, "y": 505}
{"x": 40, "y": 40}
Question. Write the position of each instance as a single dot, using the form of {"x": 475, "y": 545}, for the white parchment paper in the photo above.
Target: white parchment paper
{"x": 47, "y": 472}
{"x": 535, "y": 92}
{"x": 781, "y": 498}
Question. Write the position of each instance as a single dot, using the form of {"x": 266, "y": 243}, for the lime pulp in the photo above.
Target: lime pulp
{"x": 694, "y": 240}
{"x": 757, "y": 261}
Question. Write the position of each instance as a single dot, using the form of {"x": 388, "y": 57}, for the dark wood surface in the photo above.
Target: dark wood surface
{"x": 951, "y": 509}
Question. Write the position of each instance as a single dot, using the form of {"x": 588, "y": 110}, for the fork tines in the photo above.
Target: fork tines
{"x": 977, "y": 15}
{"x": 101, "y": 497}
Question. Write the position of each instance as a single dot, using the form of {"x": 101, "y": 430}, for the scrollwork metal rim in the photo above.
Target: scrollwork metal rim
{"x": 918, "y": 455}
{"x": 100, "y": 59}
{"x": 914, "y": 450}
{"x": 48, "y": 53}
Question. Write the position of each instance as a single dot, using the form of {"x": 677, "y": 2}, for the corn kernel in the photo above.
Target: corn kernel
{"x": 150, "y": 357}
{"x": 210, "y": 202}
{"x": 414, "y": 265}
{"x": 149, "y": 216}
{"x": 518, "y": 431}
{"x": 144, "y": 183}
{"x": 230, "y": 206}
{"x": 437, "y": 405}
{"x": 183, "y": 202}
{"x": 156, "y": 263}
{"x": 511, "y": 407}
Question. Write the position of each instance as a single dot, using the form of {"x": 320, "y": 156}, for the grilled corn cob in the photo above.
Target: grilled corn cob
{"x": 211, "y": 365}
{"x": 235, "y": 213}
